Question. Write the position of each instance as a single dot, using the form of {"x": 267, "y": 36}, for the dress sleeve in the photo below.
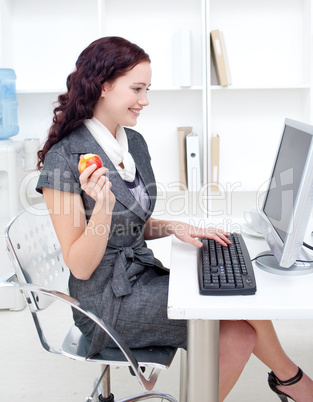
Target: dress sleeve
{"x": 59, "y": 173}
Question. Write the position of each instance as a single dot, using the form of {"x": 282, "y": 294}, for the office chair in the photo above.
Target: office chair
{"x": 42, "y": 276}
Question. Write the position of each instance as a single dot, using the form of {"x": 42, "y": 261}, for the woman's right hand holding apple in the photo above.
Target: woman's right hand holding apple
{"x": 94, "y": 182}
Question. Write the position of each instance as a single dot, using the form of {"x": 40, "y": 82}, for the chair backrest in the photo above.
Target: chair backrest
{"x": 36, "y": 253}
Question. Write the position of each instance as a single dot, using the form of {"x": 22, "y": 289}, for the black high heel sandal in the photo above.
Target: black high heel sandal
{"x": 273, "y": 381}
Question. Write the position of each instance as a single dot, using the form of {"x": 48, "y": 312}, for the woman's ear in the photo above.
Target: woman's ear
{"x": 106, "y": 86}
{"x": 103, "y": 90}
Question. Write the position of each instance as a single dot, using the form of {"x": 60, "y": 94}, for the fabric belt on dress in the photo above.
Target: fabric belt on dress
{"x": 129, "y": 263}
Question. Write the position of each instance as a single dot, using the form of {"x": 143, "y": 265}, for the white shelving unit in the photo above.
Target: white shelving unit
{"x": 269, "y": 45}
{"x": 43, "y": 40}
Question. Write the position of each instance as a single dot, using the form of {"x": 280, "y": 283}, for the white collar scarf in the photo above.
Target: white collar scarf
{"x": 116, "y": 149}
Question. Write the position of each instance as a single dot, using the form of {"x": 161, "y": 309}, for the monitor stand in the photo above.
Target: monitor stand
{"x": 268, "y": 263}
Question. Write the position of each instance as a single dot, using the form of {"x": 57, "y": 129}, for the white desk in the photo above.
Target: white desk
{"x": 277, "y": 297}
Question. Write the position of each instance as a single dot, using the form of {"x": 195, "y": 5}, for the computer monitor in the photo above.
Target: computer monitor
{"x": 288, "y": 202}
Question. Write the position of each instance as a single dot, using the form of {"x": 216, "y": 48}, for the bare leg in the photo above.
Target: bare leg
{"x": 237, "y": 341}
{"x": 269, "y": 350}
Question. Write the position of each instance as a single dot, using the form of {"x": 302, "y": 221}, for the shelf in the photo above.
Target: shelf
{"x": 191, "y": 88}
{"x": 39, "y": 91}
{"x": 258, "y": 87}
{"x": 62, "y": 90}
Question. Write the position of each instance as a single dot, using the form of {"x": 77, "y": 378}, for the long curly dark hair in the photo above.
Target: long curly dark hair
{"x": 105, "y": 59}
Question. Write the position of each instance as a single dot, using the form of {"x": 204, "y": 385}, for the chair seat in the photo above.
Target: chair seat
{"x": 76, "y": 346}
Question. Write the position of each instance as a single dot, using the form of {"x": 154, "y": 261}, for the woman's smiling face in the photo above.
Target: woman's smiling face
{"x": 120, "y": 102}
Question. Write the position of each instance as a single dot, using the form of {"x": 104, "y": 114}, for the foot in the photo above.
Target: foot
{"x": 302, "y": 391}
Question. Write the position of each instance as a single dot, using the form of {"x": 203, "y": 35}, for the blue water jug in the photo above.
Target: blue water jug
{"x": 8, "y": 104}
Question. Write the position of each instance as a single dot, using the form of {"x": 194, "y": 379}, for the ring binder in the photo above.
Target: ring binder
{"x": 193, "y": 162}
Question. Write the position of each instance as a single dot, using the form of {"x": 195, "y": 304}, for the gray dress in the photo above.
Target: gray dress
{"x": 129, "y": 288}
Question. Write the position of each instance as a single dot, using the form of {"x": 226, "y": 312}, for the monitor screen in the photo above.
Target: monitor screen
{"x": 288, "y": 201}
{"x": 286, "y": 177}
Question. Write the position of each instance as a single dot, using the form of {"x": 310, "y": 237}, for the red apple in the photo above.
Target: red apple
{"x": 87, "y": 160}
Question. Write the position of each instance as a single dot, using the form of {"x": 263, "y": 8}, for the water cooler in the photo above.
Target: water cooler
{"x": 17, "y": 163}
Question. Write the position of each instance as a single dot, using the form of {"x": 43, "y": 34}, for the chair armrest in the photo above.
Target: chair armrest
{"x": 148, "y": 383}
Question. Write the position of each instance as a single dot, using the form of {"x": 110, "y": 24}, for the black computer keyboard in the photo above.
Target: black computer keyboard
{"x": 225, "y": 270}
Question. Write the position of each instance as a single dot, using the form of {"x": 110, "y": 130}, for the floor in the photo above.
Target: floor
{"x": 30, "y": 374}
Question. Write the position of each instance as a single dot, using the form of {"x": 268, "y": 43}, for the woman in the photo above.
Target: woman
{"x": 103, "y": 216}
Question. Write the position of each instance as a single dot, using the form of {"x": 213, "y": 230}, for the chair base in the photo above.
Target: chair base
{"x": 103, "y": 385}
{"x": 141, "y": 397}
